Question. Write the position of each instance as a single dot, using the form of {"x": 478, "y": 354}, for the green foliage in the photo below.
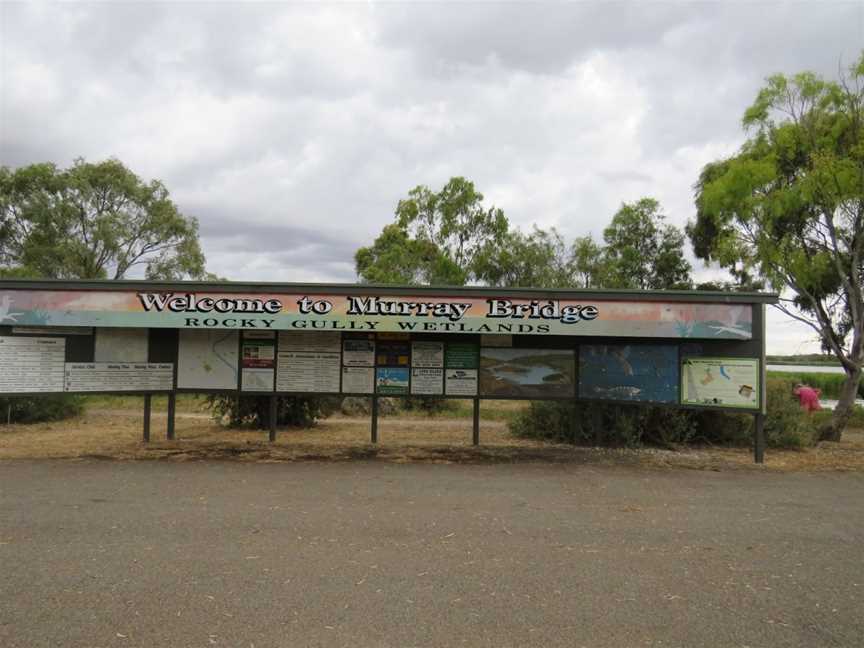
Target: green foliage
{"x": 254, "y": 411}
{"x": 787, "y": 425}
{"x": 93, "y": 221}
{"x": 789, "y": 208}
{"x": 642, "y": 251}
{"x": 441, "y": 238}
{"x": 830, "y": 384}
{"x": 36, "y": 409}
{"x": 601, "y": 424}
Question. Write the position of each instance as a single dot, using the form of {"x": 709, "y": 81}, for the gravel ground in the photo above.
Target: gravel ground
{"x": 219, "y": 553}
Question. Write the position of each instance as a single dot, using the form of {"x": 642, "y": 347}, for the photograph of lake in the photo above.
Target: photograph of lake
{"x": 527, "y": 373}
{"x": 634, "y": 372}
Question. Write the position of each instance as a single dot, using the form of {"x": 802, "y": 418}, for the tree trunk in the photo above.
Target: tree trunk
{"x": 833, "y": 430}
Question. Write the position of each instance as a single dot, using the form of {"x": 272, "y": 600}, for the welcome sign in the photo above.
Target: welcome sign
{"x": 375, "y": 313}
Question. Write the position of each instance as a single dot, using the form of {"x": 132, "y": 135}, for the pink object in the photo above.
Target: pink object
{"x": 808, "y": 398}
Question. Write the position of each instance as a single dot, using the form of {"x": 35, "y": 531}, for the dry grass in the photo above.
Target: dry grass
{"x": 116, "y": 434}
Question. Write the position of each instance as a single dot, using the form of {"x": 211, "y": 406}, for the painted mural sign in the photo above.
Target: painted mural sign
{"x": 527, "y": 373}
{"x": 352, "y": 313}
{"x": 629, "y": 372}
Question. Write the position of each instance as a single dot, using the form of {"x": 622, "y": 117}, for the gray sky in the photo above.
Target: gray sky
{"x": 291, "y": 131}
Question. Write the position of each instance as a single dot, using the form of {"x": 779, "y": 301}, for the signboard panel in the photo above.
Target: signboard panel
{"x": 118, "y": 376}
{"x": 630, "y": 372}
{"x": 317, "y": 341}
{"x": 376, "y": 313}
{"x": 31, "y": 364}
{"x": 462, "y": 356}
{"x": 527, "y": 373}
{"x": 427, "y": 382}
{"x": 208, "y": 360}
{"x": 393, "y": 354}
{"x": 258, "y": 364}
{"x": 720, "y": 382}
{"x": 358, "y": 353}
{"x": 461, "y": 382}
{"x": 427, "y": 354}
{"x": 120, "y": 345}
{"x": 391, "y": 380}
{"x": 307, "y": 371}
{"x": 358, "y": 380}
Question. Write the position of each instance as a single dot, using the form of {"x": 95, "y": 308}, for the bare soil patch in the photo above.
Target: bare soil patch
{"x": 116, "y": 434}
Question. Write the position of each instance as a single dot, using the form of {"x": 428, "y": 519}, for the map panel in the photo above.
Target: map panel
{"x": 208, "y": 359}
{"x": 121, "y": 345}
{"x": 720, "y": 382}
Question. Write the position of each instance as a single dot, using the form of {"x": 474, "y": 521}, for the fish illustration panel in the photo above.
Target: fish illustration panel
{"x": 629, "y": 372}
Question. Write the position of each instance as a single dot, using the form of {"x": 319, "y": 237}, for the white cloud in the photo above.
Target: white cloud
{"x": 292, "y": 130}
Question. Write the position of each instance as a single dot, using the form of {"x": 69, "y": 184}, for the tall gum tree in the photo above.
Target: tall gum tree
{"x": 789, "y": 207}
{"x": 93, "y": 221}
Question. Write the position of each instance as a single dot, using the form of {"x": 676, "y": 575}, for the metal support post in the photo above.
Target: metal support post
{"x": 374, "y": 419}
{"x": 147, "y": 407}
{"x": 759, "y": 438}
{"x": 172, "y": 407}
{"x": 476, "y": 437}
{"x": 273, "y": 403}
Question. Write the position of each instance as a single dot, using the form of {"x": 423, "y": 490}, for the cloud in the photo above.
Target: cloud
{"x": 292, "y": 130}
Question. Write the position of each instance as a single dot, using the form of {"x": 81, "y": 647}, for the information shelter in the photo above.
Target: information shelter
{"x": 672, "y": 348}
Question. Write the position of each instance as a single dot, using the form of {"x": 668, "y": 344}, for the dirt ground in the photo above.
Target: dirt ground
{"x": 117, "y": 434}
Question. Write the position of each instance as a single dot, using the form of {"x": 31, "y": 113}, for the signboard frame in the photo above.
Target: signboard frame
{"x": 723, "y": 339}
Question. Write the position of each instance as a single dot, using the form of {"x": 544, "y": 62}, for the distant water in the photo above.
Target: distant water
{"x": 829, "y": 403}
{"x": 806, "y": 368}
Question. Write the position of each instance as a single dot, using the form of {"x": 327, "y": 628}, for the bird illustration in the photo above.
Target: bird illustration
{"x": 734, "y": 325}
{"x": 5, "y": 305}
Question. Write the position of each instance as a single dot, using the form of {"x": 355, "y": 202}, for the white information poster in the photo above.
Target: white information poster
{"x": 721, "y": 382}
{"x": 257, "y": 380}
{"x": 358, "y": 380}
{"x": 119, "y": 376}
{"x": 461, "y": 382}
{"x": 427, "y": 354}
{"x": 427, "y": 381}
{"x": 319, "y": 341}
{"x": 120, "y": 345}
{"x": 31, "y": 364}
{"x": 306, "y": 371}
{"x": 358, "y": 353}
{"x": 208, "y": 359}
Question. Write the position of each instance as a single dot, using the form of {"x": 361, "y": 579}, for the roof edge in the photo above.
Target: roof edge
{"x": 389, "y": 289}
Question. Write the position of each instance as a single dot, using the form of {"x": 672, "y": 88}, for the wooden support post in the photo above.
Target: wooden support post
{"x": 476, "y": 437}
{"x": 172, "y": 407}
{"x": 273, "y": 403}
{"x": 374, "y": 419}
{"x": 759, "y": 438}
{"x": 147, "y": 406}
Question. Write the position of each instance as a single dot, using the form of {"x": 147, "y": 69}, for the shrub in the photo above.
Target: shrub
{"x": 36, "y": 409}
{"x": 603, "y": 424}
{"x": 787, "y": 425}
{"x": 254, "y": 411}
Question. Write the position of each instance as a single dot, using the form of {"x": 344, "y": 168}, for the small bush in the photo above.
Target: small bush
{"x": 786, "y": 425}
{"x": 600, "y": 424}
{"x": 37, "y": 409}
{"x": 254, "y": 411}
